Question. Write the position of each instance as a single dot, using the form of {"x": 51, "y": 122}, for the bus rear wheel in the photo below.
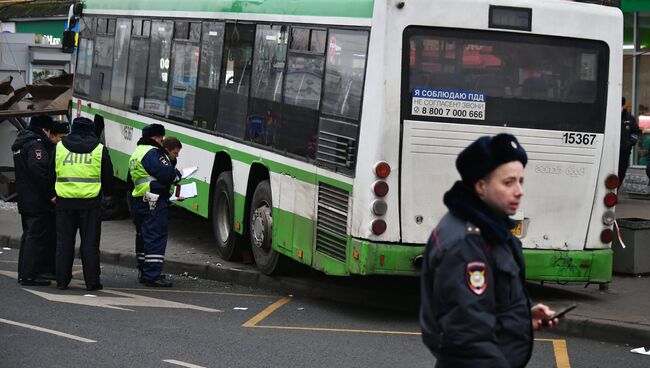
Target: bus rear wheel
{"x": 268, "y": 260}
{"x": 223, "y": 218}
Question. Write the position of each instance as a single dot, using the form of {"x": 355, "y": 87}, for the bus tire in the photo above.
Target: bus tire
{"x": 268, "y": 260}
{"x": 223, "y": 218}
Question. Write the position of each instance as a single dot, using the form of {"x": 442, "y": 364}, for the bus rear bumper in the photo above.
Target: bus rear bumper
{"x": 368, "y": 258}
{"x": 594, "y": 266}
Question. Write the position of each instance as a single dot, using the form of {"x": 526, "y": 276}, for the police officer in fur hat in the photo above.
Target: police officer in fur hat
{"x": 83, "y": 171}
{"x": 32, "y": 151}
{"x": 475, "y": 311}
{"x": 152, "y": 175}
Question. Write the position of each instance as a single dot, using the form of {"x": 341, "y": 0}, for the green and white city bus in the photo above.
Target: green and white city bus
{"x": 325, "y": 131}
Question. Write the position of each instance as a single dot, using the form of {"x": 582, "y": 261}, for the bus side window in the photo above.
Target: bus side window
{"x": 236, "y": 76}
{"x": 205, "y": 109}
{"x": 136, "y": 76}
{"x": 122, "y": 39}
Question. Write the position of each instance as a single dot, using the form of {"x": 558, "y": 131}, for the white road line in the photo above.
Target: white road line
{"x": 182, "y": 364}
{"x": 62, "y": 334}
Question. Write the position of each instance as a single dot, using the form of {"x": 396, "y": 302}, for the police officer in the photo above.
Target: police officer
{"x": 32, "y": 150}
{"x": 475, "y": 311}
{"x": 153, "y": 175}
{"x": 83, "y": 171}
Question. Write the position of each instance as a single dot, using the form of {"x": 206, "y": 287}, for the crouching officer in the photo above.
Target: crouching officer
{"x": 32, "y": 151}
{"x": 475, "y": 311}
{"x": 152, "y": 174}
{"x": 83, "y": 171}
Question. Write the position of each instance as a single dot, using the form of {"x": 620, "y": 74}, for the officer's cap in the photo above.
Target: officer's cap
{"x": 42, "y": 121}
{"x": 83, "y": 125}
{"x": 153, "y": 130}
{"x": 486, "y": 154}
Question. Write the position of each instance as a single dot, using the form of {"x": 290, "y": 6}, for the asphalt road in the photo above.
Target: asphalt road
{"x": 202, "y": 323}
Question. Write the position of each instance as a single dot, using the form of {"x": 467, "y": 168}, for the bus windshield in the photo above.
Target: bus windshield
{"x": 504, "y": 79}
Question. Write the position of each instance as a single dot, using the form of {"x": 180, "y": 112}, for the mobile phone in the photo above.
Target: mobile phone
{"x": 561, "y": 312}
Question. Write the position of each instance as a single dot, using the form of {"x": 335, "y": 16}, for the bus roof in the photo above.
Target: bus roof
{"x": 324, "y": 8}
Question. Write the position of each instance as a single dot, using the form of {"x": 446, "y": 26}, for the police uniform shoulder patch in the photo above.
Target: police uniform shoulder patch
{"x": 477, "y": 278}
{"x": 38, "y": 153}
{"x": 164, "y": 161}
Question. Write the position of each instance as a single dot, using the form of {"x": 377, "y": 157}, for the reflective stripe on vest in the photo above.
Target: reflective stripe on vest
{"x": 140, "y": 176}
{"x": 78, "y": 175}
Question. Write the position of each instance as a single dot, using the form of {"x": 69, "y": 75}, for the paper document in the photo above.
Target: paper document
{"x": 185, "y": 190}
{"x": 189, "y": 172}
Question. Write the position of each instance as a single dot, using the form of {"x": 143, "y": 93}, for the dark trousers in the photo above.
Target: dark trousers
{"x": 89, "y": 224}
{"x": 623, "y": 164}
{"x": 151, "y": 236}
{"x": 37, "y": 245}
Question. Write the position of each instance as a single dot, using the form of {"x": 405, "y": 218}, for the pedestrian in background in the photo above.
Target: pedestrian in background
{"x": 32, "y": 150}
{"x": 630, "y": 133}
{"x": 475, "y": 310}
{"x": 83, "y": 171}
{"x": 153, "y": 175}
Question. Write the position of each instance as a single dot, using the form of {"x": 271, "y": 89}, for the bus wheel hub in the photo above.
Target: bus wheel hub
{"x": 260, "y": 226}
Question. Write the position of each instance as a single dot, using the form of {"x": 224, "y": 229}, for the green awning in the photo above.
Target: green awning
{"x": 44, "y": 27}
{"x": 631, "y": 6}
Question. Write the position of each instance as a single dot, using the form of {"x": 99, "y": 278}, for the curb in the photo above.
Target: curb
{"x": 600, "y": 330}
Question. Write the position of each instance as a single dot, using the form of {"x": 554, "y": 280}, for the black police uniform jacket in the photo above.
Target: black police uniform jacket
{"x": 32, "y": 151}
{"x": 475, "y": 311}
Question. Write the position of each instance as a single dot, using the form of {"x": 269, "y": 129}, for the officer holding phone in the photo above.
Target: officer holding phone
{"x": 475, "y": 310}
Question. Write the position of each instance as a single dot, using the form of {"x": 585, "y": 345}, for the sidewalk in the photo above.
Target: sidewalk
{"x": 620, "y": 314}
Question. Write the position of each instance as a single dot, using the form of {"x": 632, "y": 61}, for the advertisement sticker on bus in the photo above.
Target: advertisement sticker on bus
{"x": 448, "y": 103}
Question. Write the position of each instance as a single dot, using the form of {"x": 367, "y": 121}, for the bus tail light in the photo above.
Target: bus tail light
{"x": 611, "y": 199}
{"x": 612, "y": 182}
{"x": 379, "y": 207}
{"x": 609, "y": 217}
{"x": 378, "y": 226}
{"x": 607, "y": 236}
{"x": 380, "y": 188}
{"x": 382, "y": 169}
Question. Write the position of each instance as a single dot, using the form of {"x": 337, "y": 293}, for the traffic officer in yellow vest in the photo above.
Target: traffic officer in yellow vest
{"x": 153, "y": 175}
{"x": 83, "y": 173}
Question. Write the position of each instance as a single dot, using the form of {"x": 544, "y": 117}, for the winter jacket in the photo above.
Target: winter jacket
{"x": 475, "y": 311}
{"x": 32, "y": 152}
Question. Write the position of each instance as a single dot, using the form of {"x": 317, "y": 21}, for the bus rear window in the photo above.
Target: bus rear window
{"x": 504, "y": 79}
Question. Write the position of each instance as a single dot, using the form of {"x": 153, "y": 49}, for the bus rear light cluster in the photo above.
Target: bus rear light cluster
{"x": 380, "y": 189}
{"x": 611, "y": 199}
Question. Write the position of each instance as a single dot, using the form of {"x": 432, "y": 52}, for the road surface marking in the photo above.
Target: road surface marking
{"x": 68, "y": 336}
{"x": 8, "y": 261}
{"x": 266, "y": 312}
{"x": 122, "y": 299}
{"x": 561, "y": 352}
{"x": 182, "y": 364}
{"x": 194, "y": 292}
